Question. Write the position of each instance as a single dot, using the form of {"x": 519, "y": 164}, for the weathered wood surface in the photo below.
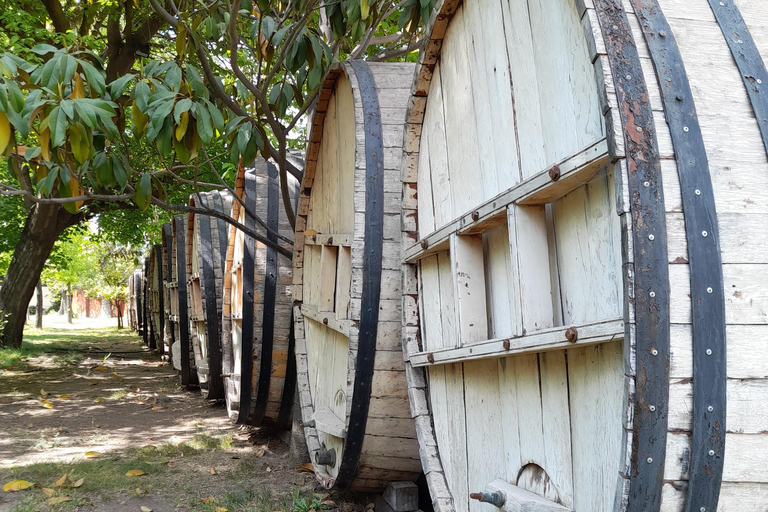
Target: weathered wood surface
{"x": 257, "y": 333}
{"x": 207, "y": 241}
{"x": 372, "y": 433}
{"x": 484, "y": 129}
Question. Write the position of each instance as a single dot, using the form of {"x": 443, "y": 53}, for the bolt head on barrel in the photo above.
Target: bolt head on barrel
{"x": 325, "y": 457}
{"x": 572, "y": 334}
{"x": 496, "y": 498}
{"x": 554, "y": 172}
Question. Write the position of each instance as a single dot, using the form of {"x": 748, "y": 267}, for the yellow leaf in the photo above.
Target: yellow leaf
{"x": 135, "y": 472}
{"x": 305, "y": 468}
{"x": 99, "y": 400}
{"x": 64, "y": 396}
{"x": 48, "y": 492}
{"x": 221, "y": 509}
{"x": 115, "y": 375}
{"x": 145, "y": 509}
{"x": 78, "y": 483}
{"x": 43, "y": 392}
{"x": 59, "y": 499}
{"x": 17, "y": 485}
{"x": 60, "y": 481}
{"x": 181, "y": 129}
{"x": 91, "y": 455}
{"x": 5, "y": 132}
{"x": 212, "y": 470}
{"x": 101, "y": 368}
{"x": 47, "y": 405}
{"x": 79, "y": 90}
{"x": 207, "y": 500}
{"x": 45, "y": 144}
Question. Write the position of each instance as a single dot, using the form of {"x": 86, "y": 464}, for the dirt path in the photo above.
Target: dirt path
{"x": 97, "y": 390}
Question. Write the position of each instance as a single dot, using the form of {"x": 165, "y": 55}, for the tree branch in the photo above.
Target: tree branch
{"x": 56, "y": 12}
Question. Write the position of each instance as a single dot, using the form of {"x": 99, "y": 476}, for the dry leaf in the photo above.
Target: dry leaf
{"x": 158, "y": 408}
{"x": 47, "y": 404}
{"x": 328, "y": 503}
{"x": 59, "y": 499}
{"x": 29, "y": 425}
{"x": 212, "y": 470}
{"x": 64, "y": 396}
{"x": 43, "y": 392}
{"x": 207, "y": 500}
{"x": 221, "y": 509}
{"x": 135, "y": 472}
{"x": 60, "y": 481}
{"x": 99, "y": 400}
{"x": 78, "y": 483}
{"x": 305, "y": 468}
{"x": 91, "y": 455}
{"x": 145, "y": 509}
{"x": 115, "y": 375}
{"x": 48, "y": 492}
{"x": 17, "y": 485}
{"x": 101, "y": 368}
{"x": 310, "y": 232}
{"x": 269, "y": 470}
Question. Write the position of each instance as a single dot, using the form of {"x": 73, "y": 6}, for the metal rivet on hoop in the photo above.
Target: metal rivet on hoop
{"x": 646, "y": 184}
{"x": 651, "y": 237}
{"x": 709, "y": 290}
{"x": 686, "y": 129}
{"x": 652, "y": 294}
{"x": 704, "y": 234}
{"x": 649, "y": 460}
{"x": 709, "y": 351}
{"x": 652, "y": 408}
{"x": 710, "y": 408}
{"x": 654, "y": 352}
{"x": 711, "y": 453}
{"x": 697, "y": 192}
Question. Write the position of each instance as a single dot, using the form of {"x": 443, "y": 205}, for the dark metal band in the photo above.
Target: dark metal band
{"x": 747, "y": 58}
{"x": 270, "y": 297}
{"x": 651, "y": 274}
{"x": 223, "y": 228}
{"x": 289, "y": 386}
{"x": 215, "y": 388}
{"x": 151, "y": 338}
{"x": 181, "y": 280}
{"x": 145, "y": 292}
{"x": 246, "y": 341}
{"x": 701, "y": 232}
{"x": 161, "y": 290}
{"x": 372, "y": 258}
{"x": 139, "y": 291}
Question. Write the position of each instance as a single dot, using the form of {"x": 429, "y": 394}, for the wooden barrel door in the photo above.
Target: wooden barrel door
{"x": 347, "y": 282}
{"x": 206, "y": 257}
{"x": 257, "y": 336}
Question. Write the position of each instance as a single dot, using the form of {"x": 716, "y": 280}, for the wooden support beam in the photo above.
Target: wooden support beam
{"x": 327, "y": 318}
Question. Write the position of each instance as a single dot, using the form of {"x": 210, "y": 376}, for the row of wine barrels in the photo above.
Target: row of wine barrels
{"x": 134, "y": 300}
{"x": 181, "y": 350}
{"x": 144, "y": 331}
{"x": 347, "y": 282}
{"x": 257, "y": 335}
{"x": 585, "y": 228}
{"x": 206, "y": 254}
{"x": 168, "y": 331}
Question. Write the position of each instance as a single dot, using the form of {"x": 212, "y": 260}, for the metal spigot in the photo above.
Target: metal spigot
{"x": 496, "y": 499}
{"x": 325, "y": 457}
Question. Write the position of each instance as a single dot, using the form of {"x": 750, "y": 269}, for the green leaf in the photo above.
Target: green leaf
{"x": 94, "y": 77}
{"x": 141, "y": 95}
{"x": 216, "y": 117}
{"x": 31, "y": 153}
{"x": 196, "y": 82}
{"x": 280, "y": 35}
{"x": 118, "y": 169}
{"x": 57, "y": 122}
{"x": 142, "y": 198}
{"x": 15, "y": 96}
{"x": 274, "y": 94}
{"x": 42, "y": 49}
{"x": 117, "y": 87}
{"x": 173, "y": 77}
{"x": 204, "y": 123}
{"x": 267, "y": 26}
{"x": 243, "y": 136}
{"x": 87, "y": 113}
{"x": 181, "y": 106}
{"x": 50, "y": 180}
{"x": 68, "y": 108}
{"x": 364, "y": 9}
{"x": 68, "y": 71}
{"x": 161, "y": 112}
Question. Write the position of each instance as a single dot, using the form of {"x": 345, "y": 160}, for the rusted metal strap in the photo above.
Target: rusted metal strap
{"x": 372, "y": 259}
{"x": 650, "y": 275}
{"x": 747, "y": 58}
{"x": 703, "y": 240}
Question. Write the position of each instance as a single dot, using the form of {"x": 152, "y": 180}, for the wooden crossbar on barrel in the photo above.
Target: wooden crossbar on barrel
{"x": 584, "y": 225}
{"x": 347, "y": 282}
{"x": 206, "y": 259}
{"x": 257, "y": 338}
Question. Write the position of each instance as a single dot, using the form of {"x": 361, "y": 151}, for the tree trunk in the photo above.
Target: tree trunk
{"x": 69, "y": 304}
{"x": 120, "y": 308}
{"x": 39, "y": 308}
{"x": 63, "y": 303}
{"x": 43, "y": 226}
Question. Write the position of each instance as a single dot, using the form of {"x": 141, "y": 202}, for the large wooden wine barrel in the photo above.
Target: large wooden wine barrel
{"x": 206, "y": 258}
{"x": 181, "y": 350}
{"x": 134, "y": 300}
{"x": 156, "y": 307}
{"x": 144, "y": 327}
{"x": 167, "y": 335}
{"x": 347, "y": 282}
{"x": 257, "y": 336}
{"x": 585, "y": 229}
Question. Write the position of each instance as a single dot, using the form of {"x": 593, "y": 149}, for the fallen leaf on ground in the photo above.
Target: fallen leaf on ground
{"x": 64, "y": 396}
{"x": 60, "y": 481}
{"x": 135, "y": 472}
{"x": 305, "y": 468}
{"x": 145, "y": 509}
{"x": 59, "y": 499}
{"x": 158, "y": 408}
{"x": 47, "y": 404}
{"x": 329, "y": 503}
{"x": 48, "y": 492}
{"x": 91, "y": 455}
{"x": 101, "y": 368}
{"x": 43, "y": 392}
{"x": 212, "y": 470}
{"x": 29, "y": 425}
{"x": 17, "y": 485}
{"x": 221, "y": 509}
{"x": 207, "y": 500}
{"x": 99, "y": 400}
{"x": 78, "y": 483}
{"x": 115, "y": 375}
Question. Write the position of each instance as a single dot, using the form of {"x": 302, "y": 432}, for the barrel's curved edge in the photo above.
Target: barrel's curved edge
{"x": 179, "y": 243}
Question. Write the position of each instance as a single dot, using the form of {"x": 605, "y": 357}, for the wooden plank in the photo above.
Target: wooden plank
{"x": 734, "y": 497}
{"x": 429, "y": 301}
{"x": 533, "y": 268}
{"x": 498, "y": 276}
{"x": 434, "y": 129}
{"x": 545, "y": 340}
{"x": 529, "y": 410}
{"x": 326, "y": 318}
{"x": 346, "y": 130}
{"x": 539, "y": 189}
{"x": 327, "y": 422}
{"x": 447, "y": 302}
{"x": 333, "y": 239}
{"x": 343, "y": 283}
{"x": 743, "y": 237}
{"x": 469, "y": 283}
{"x": 327, "y": 278}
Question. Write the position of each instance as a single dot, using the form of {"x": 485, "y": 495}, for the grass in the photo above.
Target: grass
{"x": 63, "y": 346}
